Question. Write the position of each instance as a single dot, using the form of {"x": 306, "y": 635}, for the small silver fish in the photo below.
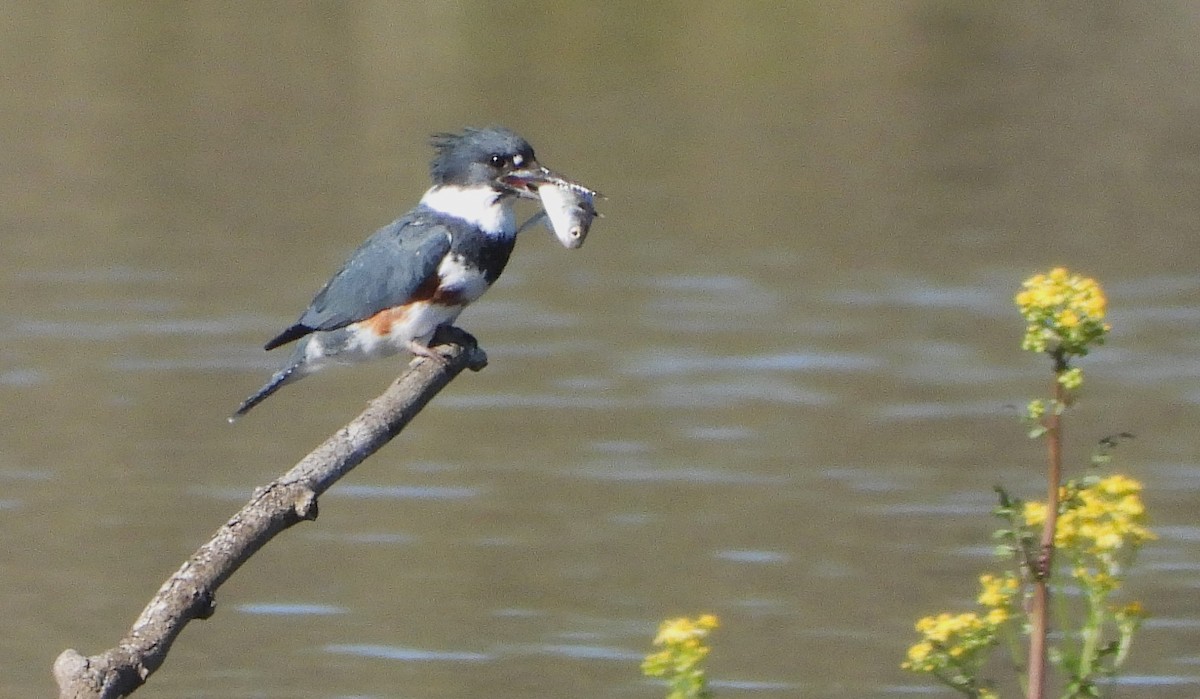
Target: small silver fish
{"x": 569, "y": 211}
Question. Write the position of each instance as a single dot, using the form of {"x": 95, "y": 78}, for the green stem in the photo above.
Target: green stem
{"x": 1123, "y": 644}
{"x": 1090, "y": 636}
{"x": 965, "y": 690}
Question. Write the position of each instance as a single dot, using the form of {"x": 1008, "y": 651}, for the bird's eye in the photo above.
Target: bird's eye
{"x": 499, "y": 160}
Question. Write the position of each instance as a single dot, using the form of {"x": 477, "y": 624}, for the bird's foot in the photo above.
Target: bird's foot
{"x": 427, "y": 352}
{"x": 451, "y": 335}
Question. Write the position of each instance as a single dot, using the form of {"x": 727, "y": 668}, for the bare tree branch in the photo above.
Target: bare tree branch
{"x": 190, "y": 592}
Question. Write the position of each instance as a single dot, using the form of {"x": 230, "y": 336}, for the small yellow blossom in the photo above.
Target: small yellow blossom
{"x": 680, "y": 661}
{"x": 1071, "y": 378}
{"x": 1034, "y": 513}
{"x": 997, "y": 592}
{"x": 1103, "y": 518}
{"x": 942, "y": 627}
{"x": 683, "y": 630}
{"x": 1118, "y": 484}
{"x": 1063, "y": 312}
{"x": 1133, "y": 609}
{"x": 951, "y": 640}
{"x": 918, "y": 652}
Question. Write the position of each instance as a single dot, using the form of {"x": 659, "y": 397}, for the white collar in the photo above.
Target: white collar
{"x": 478, "y": 205}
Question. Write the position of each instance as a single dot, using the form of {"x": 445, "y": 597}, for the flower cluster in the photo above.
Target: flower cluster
{"x": 954, "y": 646}
{"x": 1103, "y": 519}
{"x": 680, "y": 661}
{"x": 1101, "y": 525}
{"x": 948, "y": 640}
{"x": 997, "y": 594}
{"x": 1064, "y": 313}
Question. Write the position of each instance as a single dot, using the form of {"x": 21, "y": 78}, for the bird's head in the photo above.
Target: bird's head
{"x": 493, "y": 157}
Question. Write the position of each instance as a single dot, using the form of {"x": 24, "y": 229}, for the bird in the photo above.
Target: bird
{"x": 420, "y": 271}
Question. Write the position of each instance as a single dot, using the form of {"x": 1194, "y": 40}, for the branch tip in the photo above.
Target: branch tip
{"x": 477, "y": 359}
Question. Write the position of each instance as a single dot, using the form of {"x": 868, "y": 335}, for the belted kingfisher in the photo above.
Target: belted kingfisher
{"x": 420, "y": 271}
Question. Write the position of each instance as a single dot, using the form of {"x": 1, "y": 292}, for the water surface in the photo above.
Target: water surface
{"x": 777, "y": 384}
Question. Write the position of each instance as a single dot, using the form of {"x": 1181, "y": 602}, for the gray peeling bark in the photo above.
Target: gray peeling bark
{"x": 190, "y": 592}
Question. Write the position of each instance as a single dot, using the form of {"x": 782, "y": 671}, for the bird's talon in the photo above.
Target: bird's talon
{"x": 427, "y": 352}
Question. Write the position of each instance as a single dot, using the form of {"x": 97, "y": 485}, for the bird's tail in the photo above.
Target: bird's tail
{"x": 284, "y": 376}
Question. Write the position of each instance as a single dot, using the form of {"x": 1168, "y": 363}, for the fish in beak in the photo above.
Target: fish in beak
{"x": 567, "y": 206}
{"x": 570, "y": 209}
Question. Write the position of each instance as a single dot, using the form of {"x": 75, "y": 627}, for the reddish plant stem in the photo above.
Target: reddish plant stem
{"x": 1040, "y": 612}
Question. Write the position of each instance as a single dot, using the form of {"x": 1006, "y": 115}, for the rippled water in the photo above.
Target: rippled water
{"x": 778, "y": 384}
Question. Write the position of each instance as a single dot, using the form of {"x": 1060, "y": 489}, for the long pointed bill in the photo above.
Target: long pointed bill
{"x": 568, "y": 206}
{"x": 525, "y": 182}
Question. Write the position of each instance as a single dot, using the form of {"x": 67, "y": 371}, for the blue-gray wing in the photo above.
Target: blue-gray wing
{"x": 392, "y": 268}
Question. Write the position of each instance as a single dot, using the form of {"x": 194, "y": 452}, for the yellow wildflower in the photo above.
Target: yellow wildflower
{"x": 951, "y": 640}
{"x": 1102, "y": 517}
{"x": 1071, "y": 378}
{"x": 1133, "y": 609}
{"x": 919, "y": 651}
{"x": 682, "y": 631}
{"x": 1063, "y": 312}
{"x": 942, "y": 627}
{"x": 1034, "y": 513}
{"x": 997, "y": 591}
{"x": 680, "y": 661}
{"x": 1118, "y": 484}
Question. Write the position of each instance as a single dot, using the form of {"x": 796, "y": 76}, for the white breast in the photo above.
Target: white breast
{"x": 465, "y": 283}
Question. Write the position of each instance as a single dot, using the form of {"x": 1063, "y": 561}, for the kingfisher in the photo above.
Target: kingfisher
{"x": 420, "y": 271}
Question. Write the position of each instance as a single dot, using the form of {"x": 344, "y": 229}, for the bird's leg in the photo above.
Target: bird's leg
{"x": 425, "y": 351}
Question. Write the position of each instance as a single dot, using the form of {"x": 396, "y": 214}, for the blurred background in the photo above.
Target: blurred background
{"x": 777, "y": 384}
